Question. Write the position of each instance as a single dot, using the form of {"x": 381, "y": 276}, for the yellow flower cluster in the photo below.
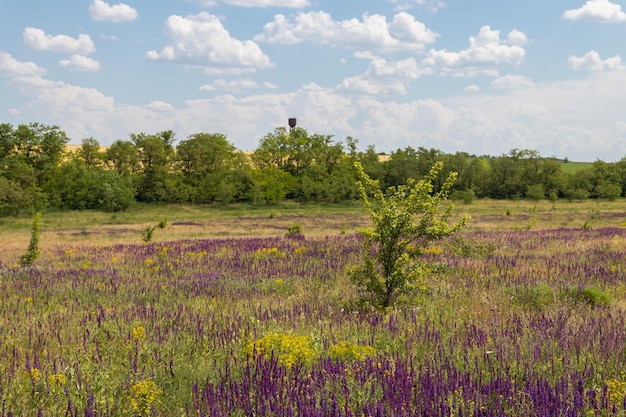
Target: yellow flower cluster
{"x": 349, "y": 351}
{"x": 269, "y": 253}
{"x": 35, "y": 374}
{"x": 139, "y": 333}
{"x": 616, "y": 389}
{"x": 197, "y": 255}
{"x": 288, "y": 349}
{"x": 57, "y": 379}
{"x": 435, "y": 250}
{"x": 142, "y": 395}
{"x": 300, "y": 250}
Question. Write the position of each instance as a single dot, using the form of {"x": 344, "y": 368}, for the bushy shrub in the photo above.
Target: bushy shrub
{"x": 406, "y": 220}
{"x": 590, "y": 295}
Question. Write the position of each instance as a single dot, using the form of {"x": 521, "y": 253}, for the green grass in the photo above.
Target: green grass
{"x": 572, "y": 167}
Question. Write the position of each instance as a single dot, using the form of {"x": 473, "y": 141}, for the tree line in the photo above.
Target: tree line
{"x": 37, "y": 171}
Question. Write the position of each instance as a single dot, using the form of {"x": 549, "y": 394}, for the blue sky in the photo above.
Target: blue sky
{"x": 477, "y": 76}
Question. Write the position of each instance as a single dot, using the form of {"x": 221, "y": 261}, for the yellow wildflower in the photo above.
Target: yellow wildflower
{"x": 139, "y": 333}
{"x": 57, "y": 379}
{"x": 142, "y": 395}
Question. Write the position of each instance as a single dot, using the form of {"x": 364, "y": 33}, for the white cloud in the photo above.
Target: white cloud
{"x": 516, "y": 37}
{"x": 80, "y": 63}
{"x": 11, "y": 67}
{"x": 202, "y": 40}
{"x": 362, "y": 85}
{"x": 403, "y": 69}
{"x": 432, "y": 5}
{"x": 404, "y": 32}
{"x": 485, "y": 52}
{"x": 581, "y": 119}
{"x": 100, "y": 10}
{"x": 37, "y": 39}
{"x": 473, "y": 88}
{"x": 512, "y": 82}
{"x": 591, "y": 61}
{"x": 597, "y": 10}
{"x": 160, "y": 106}
{"x": 256, "y": 3}
{"x": 384, "y": 77}
{"x": 233, "y": 85}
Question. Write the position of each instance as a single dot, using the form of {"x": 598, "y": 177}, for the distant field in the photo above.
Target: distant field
{"x": 243, "y": 220}
{"x": 571, "y": 167}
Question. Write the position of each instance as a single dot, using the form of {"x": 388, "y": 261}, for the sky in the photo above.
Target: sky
{"x": 476, "y": 76}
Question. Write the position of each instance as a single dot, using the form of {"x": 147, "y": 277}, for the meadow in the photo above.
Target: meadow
{"x": 228, "y": 312}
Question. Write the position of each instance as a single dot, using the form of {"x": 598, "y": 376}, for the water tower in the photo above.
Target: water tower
{"x": 292, "y": 123}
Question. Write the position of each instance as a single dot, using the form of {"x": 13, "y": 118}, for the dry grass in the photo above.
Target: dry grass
{"x": 88, "y": 228}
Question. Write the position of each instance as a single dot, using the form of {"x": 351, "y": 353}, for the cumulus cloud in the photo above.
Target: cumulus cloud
{"x": 597, "y": 10}
{"x": 202, "y": 40}
{"x": 384, "y": 77}
{"x": 512, "y": 82}
{"x": 37, "y": 39}
{"x": 160, "y": 106}
{"x": 100, "y": 10}
{"x": 80, "y": 63}
{"x": 485, "y": 52}
{"x": 591, "y": 61}
{"x": 473, "y": 88}
{"x": 363, "y": 85}
{"x": 555, "y": 118}
{"x": 373, "y": 32}
{"x": 11, "y": 67}
{"x": 255, "y": 3}
{"x": 232, "y": 85}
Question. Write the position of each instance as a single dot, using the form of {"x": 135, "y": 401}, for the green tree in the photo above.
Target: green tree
{"x": 313, "y": 162}
{"x": 79, "y": 187}
{"x": 402, "y": 164}
{"x": 89, "y": 152}
{"x": 123, "y": 157}
{"x": 406, "y": 220}
{"x": 156, "y": 156}
{"x": 41, "y": 147}
{"x": 213, "y": 168}
{"x": 29, "y": 156}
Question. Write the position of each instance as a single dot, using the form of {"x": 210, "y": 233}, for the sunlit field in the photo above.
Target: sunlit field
{"x": 224, "y": 312}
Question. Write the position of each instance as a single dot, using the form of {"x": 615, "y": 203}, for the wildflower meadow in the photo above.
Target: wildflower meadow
{"x": 528, "y": 322}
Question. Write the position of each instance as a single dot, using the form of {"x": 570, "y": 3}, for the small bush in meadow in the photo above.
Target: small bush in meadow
{"x": 468, "y": 247}
{"x": 589, "y": 295}
{"x": 406, "y": 218}
{"x": 294, "y": 230}
{"x": 32, "y": 253}
{"x": 536, "y": 296}
{"x": 148, "y": 232}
